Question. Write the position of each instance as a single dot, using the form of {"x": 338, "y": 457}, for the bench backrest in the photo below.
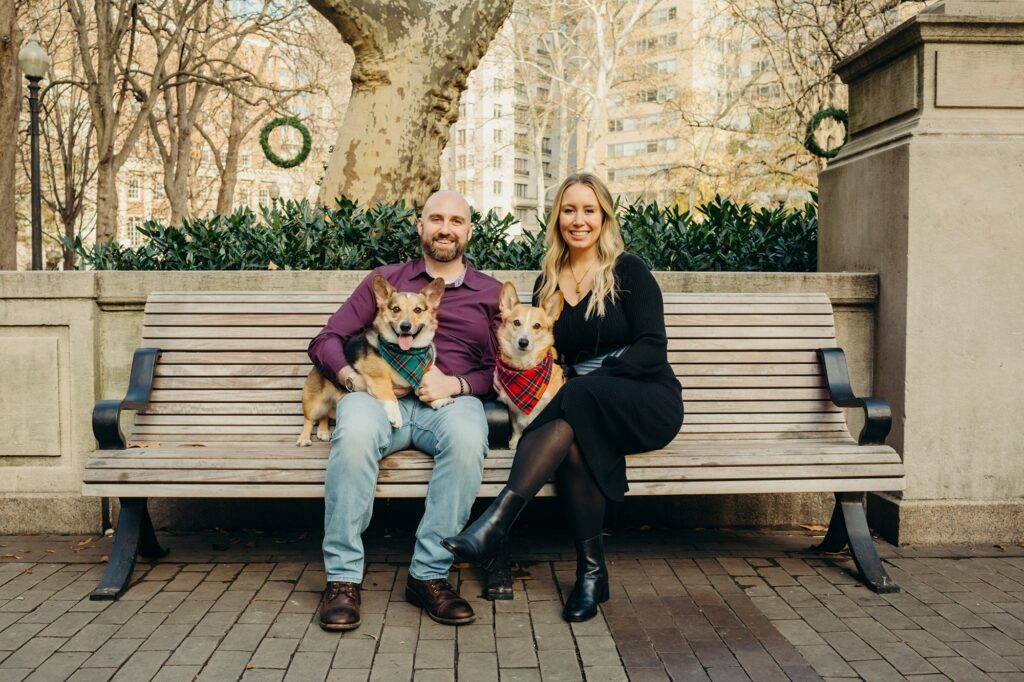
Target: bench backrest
{"x": 233, "y": 364}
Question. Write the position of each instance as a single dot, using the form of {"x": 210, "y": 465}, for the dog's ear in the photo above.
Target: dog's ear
{"x": 433, "y": 292}
{"x": 553, "y": 306}
{"x": 509, "y": 298}
{"x": 382, "y": 290}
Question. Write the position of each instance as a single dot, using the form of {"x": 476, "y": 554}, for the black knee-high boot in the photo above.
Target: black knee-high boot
{"x": 591, "y": 586}
{"x": 479, "y": 543}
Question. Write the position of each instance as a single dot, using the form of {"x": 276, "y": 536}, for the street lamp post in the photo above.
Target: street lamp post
{"x": 34, "y": 64}
{"x": 275, "y": 194}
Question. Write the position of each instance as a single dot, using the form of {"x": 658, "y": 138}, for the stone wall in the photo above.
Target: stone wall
{"x": 66, "y": 341}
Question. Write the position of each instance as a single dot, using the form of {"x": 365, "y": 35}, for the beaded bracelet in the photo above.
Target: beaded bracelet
{"x": 463, "y": 385}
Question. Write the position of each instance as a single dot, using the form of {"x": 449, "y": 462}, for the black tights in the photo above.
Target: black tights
{"x": 552, "y": 449}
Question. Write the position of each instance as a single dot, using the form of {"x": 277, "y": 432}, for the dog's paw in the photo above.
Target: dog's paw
{"x": 441, "y": 402}
{"x": 393, "y": 413}
{"x": 513, "y": 442}
{"x": 323, "y": 434}
{"x": 303, "y": 442}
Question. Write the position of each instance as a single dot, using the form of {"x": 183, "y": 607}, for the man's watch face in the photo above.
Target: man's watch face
{"x": 351, "y": 387}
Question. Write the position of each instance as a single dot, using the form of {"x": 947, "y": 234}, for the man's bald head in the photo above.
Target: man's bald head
{"x": 446, "y": 199}
{"x": 444, "y": 226}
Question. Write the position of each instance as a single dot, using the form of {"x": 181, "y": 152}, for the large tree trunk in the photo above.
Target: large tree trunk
{"x": 412, "y": 58}
{"x": 229, "y": 173}
{"x": 10, "y": 108}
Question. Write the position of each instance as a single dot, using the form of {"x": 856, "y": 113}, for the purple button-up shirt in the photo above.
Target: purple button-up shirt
{"x": 466, "y": 321}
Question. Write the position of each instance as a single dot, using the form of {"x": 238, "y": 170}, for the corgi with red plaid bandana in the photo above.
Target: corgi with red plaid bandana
{"x": 526, "y": 375}
{"x": 397, "y": 350}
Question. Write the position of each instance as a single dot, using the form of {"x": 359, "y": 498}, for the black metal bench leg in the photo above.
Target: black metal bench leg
{"x": 499, "y": 576}
{"x": 849, "y": 526}
{"x": 134, "y": 535}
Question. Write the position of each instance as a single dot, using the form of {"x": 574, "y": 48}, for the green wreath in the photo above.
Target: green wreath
{"x": 812, "y": 145}
{"x": 289, "y": 122}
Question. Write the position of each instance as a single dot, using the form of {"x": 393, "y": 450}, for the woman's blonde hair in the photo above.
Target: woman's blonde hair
{"x": 609, "y": 247}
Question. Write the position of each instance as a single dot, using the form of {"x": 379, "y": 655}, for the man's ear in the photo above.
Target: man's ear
{"x": 433, "y": 292}
{"x": 509, "y": 298}
{"x": 382, "y": 290}
{"x": 419, "y": 225}
{"x": 553, "y": 306}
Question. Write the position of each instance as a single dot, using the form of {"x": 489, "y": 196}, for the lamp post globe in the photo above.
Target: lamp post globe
{"x": 34, "y": 63}
{"x": 275, "y": 194}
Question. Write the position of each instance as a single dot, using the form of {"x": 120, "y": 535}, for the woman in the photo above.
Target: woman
{"x": 631, "y": 403}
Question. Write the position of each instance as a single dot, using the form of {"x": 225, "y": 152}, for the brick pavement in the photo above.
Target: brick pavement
{"x": 685, "y": 606}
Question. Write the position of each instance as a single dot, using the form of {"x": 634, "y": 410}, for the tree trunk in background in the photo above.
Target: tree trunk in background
{"x": 229, "y": 173}
{"x": 10, "y": 108}
{"x": 107, "y": 201}
{"x": 412, "y": 59}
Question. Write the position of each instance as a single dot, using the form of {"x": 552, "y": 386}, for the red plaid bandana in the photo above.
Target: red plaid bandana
{"x": 525, "y": 386}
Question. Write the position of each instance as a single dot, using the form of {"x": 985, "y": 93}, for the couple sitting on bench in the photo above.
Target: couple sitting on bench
{"x": 631, "y": 403}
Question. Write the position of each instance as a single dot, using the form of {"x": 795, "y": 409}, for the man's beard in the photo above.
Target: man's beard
{"x": 444, "y": 254}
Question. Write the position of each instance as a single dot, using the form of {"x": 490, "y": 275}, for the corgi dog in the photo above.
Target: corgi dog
{"x": 396, "y": 350}
{"x": 526, "y": 375}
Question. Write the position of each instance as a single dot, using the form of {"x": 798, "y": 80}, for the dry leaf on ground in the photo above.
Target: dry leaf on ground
{"x": 816, "y": 527}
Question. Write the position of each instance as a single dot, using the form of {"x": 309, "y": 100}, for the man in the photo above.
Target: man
{"x": 455, "y": 435}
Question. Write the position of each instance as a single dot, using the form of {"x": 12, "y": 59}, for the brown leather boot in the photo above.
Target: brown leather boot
{"x": 440, "y": 601}
{"x": 339, "y": 606}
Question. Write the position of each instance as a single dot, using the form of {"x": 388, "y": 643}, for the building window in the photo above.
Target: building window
{"x": 522, "y": 144}
{"x": 496, "y": 161}
{"x": 498, "y": 84}
{"x": 246, "y": 195}
{"x": 462, "y": 187}
{"x": 521, "y": 167}
{"x": 460, "y": 161}
{"x": 132, "y": 236}
{"x": 497, "y": 187}
{"x": 497, "y": 111}
{"x": 133, "y": 188}
{"x": 264, "y": 196}
{"x": 547, "y": 169}
{"x": 246, "y": 159}
{"x": 498, "y": 136}
{"x": 460, "y": 136}
{"x": 521, "y": 190}
{"x": 158, "y": 190}
{"x": 522, "y": 214}
{"x": 545, "y": 145}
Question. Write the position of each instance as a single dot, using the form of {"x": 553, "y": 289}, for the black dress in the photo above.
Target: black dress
{"x": 633, "y": 403}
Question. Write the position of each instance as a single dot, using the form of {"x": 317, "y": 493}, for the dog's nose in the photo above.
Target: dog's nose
{"x": 405, "y": 326}
{"x": 524, "y": 343}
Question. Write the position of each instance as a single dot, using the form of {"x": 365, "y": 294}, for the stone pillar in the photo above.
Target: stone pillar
{"x": 929, "y": 193}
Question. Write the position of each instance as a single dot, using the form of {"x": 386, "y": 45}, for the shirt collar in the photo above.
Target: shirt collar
{"x": 471, "y": 277}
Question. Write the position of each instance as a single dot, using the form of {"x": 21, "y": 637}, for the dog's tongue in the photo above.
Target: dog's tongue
{"x": 405, "y": 341}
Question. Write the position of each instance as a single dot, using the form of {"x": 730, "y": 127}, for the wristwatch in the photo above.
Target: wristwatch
{"x": 349, "y": 385}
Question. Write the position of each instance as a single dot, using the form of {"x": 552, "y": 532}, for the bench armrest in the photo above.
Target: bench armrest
{"x": 106, "y": 415}
{"x": 877, "y": 413}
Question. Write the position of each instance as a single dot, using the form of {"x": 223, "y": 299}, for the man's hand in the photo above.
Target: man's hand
{"x": 437, "y": 385}
{"x": 359, "y": 384}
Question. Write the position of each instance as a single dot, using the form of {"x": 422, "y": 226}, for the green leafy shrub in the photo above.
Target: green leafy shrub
{"x": 303, "y": 236}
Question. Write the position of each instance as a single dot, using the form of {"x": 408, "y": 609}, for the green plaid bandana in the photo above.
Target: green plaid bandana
{"x": 410, "y": 364}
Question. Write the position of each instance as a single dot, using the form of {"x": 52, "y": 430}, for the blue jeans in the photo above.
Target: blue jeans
{"x": 455, "y": 436}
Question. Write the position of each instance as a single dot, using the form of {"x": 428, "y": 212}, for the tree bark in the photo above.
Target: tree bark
{"x": 10, "y": 108}
{"x": 412, "y": 59}
{"x": 229, "y": 173}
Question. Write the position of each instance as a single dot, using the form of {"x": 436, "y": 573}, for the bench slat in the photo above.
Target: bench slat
{"x": 419, "y": 490}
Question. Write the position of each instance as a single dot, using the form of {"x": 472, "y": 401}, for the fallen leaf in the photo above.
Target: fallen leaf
{"x": 84, "y": 542}
{"x": 816, "y": 527}
{"x": 272, "y": 266}
{"x": 104, "y": 559}
{"x": 193, "y": 445}
{"x": 644, "y": 528}
{"x": 1000, "y": 548}
{"x": 51, "y": 551}
{"x": 249, "y": 666}
{"x": 463, "y": 564}
{"x": 10, "y": 556}
{"x": 143, "y": 444}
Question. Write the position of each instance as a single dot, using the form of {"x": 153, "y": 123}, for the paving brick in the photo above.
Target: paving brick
{"x": 344, "y": 675}
{"x": 113, "y": 653}
{"x": 605, "y": 674}
{"x": 193, "y": 650}
{"x": 826, "y": 661}
{"x": 142, "y": 665}
{"x": 215, "y": 624}
{"x": 32, "y": 654}
{"x": 90, "y": 638}
{"x": 958, "y": 669}
{"x": 597, "y": 651}
{"x": 850, "y": 646}
{"x": 224, "y": 665}
{"x": 274, "y": 653}
{"x": 478, "y": 666}
{"x": 924, "y": 643}
{"x": 516, "y": 652}
{"x": 435, "y": 653}
{"x": 178, "y": 673}
{"x": 904, "y": 658}
{"x": 47, "y": 611}
{"x": 822, "y": 620}
{"x": 870, "y": 630}
{"x": 798, "y": 632}
{"x": 476, "y": 639}
{"x": 92, "y": 675}
{"x": 942, "y": 629}
{"x": 309, "y": 666}
{"x": 774, "y": 608}
{"x": 997, "y": 641}
{"x": 243, "y": 637}
{"x": 983, "y": 657}
{"x": 392, "y": 666}
{"x": 14, "y": 636}
{"x": 59, "y": 666}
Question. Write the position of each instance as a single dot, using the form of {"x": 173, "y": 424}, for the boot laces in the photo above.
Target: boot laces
{"x": 336, "y": 588}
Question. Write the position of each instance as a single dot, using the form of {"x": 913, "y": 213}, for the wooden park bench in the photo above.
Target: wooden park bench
{"x": 216, "y": 388}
